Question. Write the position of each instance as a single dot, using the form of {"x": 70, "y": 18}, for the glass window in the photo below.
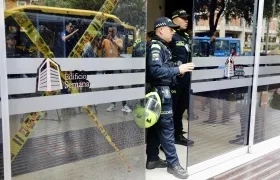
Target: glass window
{"x": 267, "y": 124}
{"x": 219, "y": 107}
{"x": 73, "y": 86}
{"x": 221, "y": 45}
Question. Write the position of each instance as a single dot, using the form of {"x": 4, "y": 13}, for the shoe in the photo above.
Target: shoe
{"x": 156, "y": 164}
{"x": 239, "y": 136}
{"x": 178, "y": 172}
{"x": 180, "y": 139}
{"x": 113, "y": 107}
{"x": 126, "y": 109}
{"x": 238, "y": 141}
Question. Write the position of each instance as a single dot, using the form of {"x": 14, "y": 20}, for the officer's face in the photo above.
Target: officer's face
{"x": 167, "y": 33}
{"x": 182, "y": 22}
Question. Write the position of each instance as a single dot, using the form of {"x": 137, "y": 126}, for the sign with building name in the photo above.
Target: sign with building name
{"x": 232, "y": 70}
{"x": 76, "y": 79}
{"x": 49, "y": 77}
{"x": 229, "y": 67}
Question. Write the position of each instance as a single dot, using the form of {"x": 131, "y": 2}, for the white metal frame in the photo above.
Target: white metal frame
{"x": 255, "y": 77}
{"x": 4, "y": 99}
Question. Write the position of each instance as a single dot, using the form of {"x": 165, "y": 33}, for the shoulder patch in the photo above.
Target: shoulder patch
{"x": 155, "y": 55}
{"x": 156, "y": 46}
{"x": 180, "y": 43}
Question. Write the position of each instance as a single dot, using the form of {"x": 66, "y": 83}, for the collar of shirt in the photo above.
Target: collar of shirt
{"x": 183, "y": 34}
{"x": 156, "y": 37}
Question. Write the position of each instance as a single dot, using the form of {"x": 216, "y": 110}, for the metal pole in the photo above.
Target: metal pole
{"x": 4, "y": 99}
{"x": 255, "y": 77}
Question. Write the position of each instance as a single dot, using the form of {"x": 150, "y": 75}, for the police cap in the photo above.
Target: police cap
{"x": 11, "y": 36}
{"x": 179, "y": 13}
{"x": 164, "y": 21}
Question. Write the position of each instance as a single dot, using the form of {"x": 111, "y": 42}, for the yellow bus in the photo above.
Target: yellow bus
{"x": 51, "y": 21}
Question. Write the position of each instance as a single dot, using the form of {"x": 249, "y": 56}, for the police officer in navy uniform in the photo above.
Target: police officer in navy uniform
{"x": 181, "y": 51}
{"x": 139, "y": 46}
{"x": 161, "y": 75}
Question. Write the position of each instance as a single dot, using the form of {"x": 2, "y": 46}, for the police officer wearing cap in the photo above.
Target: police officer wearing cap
{"x": 139, "y": 46}
{"x": 161, "y": 75}
{"x": 181, "y": 51}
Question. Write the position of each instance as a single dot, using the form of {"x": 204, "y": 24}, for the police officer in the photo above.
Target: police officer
{"x": 161, "y": 75}
{"x": 149, "y": 36}
{"x": 139, "y": 46}
{"x": 181, "y": 52}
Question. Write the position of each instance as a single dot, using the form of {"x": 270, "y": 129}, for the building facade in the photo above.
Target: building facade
{"x": 89, "y": 132}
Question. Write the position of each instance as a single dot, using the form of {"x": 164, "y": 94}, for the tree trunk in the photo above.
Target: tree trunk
{"x": 212, "y": 22}
{"x": 222, "y": 8}
{"x": 212, "y": 9}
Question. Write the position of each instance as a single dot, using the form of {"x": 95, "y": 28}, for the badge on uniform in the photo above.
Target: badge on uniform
{"x": 179, "y": 63}
{"x": 155, "y": 56}
{"x": 166, "y": 92}
{"x": 180, "y": 43}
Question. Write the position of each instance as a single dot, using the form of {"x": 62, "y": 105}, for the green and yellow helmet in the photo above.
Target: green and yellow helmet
{"x": 147, "y": 113}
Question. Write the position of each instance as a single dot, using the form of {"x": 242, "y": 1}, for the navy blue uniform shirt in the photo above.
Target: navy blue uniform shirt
{"x": 161, "y": 71}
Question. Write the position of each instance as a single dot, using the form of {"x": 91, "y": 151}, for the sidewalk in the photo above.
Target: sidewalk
{"x": 266, "y": 167}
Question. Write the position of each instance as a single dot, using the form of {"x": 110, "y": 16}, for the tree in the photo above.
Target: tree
{"x": 231, "y": 9}
{"x": 54, "y": 3}
{"x": 131, "y": 12}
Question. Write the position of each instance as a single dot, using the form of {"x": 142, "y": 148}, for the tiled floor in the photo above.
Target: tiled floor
{"x": 72, "y": 146}
{"x": 103, "y": 167}
{"x": 263, "y": 168}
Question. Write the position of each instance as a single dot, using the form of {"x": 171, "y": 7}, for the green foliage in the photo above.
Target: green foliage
{"x": 131, "y": 12}
{"x": 232, "y": 9}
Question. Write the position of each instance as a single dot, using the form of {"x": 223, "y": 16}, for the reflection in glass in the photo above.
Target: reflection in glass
{"x": 62, "y": 141}
{"x": 68, "y": 142}
{"x": 267, "y": 124}
{"x": 61, "y": 30}
{"x": 221, "y": 82}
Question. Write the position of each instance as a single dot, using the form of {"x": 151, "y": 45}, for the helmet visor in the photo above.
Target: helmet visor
{"x": 152, "y": 105}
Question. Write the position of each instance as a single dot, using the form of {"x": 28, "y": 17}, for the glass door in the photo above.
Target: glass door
{"x": 222, "y": 81}
{"x": 267, "y": 123}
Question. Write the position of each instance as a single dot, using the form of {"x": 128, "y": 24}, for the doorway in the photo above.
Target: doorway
{"x": 158, "y": 8}
{"x": 170, "y": 6}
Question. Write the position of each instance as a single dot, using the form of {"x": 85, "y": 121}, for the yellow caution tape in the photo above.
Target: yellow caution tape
{"x": 103, "y": 131}
{"x": 32, "y": 119}
{"x": 22, "y": 135}
{"x": 94, "y": 27}
{"x": 23, "y": 21}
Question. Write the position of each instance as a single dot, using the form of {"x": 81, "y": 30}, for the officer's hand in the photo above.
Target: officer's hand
{"x": 188, "y": 67}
